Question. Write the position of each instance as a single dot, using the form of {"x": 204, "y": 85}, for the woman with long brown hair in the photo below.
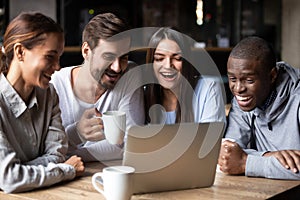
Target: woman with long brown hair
{"x": 178, "y": 92}
{"x": 33, "y": 143}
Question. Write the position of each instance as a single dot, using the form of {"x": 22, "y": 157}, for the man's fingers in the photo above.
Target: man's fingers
{"x": 289, "y": 160}
{"x": 295, "y": 161}
{"x": 96, "y": 135}
{"x": 281, "y": 159}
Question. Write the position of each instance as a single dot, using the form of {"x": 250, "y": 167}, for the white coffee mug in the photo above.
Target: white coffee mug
{"x": 117, "y": 182}
{"x": 114, "y": 126}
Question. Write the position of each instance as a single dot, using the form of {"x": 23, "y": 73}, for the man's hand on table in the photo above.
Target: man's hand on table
{"x": 290, "y": 159}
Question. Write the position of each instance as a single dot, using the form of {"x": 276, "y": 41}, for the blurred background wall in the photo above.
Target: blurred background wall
{"x": 291, "y": 32}
{"x": 47, "y": 7}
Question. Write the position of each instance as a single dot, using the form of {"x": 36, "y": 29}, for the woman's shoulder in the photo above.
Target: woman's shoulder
{"x": 208, "y": 82}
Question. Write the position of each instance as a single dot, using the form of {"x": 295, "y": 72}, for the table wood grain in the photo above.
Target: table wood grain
{"x": 225, "y": 187}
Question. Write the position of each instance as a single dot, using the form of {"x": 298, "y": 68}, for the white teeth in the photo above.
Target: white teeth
{"x": 167, "y": 74}
{"x": 239, "y": 98}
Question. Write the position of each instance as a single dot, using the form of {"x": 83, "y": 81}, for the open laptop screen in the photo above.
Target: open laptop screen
{"x": 173, "y": 157}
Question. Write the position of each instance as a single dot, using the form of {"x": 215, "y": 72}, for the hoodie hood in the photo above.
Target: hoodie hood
{"x": 287, "y": 82}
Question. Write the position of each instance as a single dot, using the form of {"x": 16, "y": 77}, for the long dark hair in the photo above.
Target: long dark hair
{"x": 153, "y": 92}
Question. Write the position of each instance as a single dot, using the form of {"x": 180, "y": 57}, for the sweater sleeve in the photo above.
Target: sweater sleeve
{"x": 239, "y": 128}
{"x": 99, "y": 151}
{"x": 73, "y": 136}
{"x": 17, "y": 177}
{"x": 270, "y": 167}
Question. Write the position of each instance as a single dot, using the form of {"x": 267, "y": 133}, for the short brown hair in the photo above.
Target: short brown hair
{"x": 102, "y": 26}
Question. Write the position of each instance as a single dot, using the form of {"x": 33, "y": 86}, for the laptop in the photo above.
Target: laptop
{"x": 173, "y": 157}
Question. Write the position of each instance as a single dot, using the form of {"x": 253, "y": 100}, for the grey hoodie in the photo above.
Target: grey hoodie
{"x": 275, "y": 128}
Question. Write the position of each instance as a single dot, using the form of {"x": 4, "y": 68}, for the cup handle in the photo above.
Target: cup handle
{"x": 94, "y": 182}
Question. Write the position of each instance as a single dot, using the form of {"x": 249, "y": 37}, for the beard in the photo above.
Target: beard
{"x": 106, "y": 78}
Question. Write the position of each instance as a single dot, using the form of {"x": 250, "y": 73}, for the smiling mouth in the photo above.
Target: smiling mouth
{"x": 244, "y": 102}
{"x": 169, "y": 75}
{"x": 113, "y": 75}
{"x": 239, "y": 98}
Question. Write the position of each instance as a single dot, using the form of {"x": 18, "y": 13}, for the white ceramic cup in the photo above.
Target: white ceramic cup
{"x": 117, "y": 182}
{"x": 114, "y": 126}
{"x": 229, "y": 139}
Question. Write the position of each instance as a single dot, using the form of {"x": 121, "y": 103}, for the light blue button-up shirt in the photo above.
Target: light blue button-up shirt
{"x": 32, "y": 140}
{"x": 208, "y": 103}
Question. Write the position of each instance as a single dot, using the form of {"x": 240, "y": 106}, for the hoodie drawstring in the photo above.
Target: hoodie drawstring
{"x": 253, "y": 137}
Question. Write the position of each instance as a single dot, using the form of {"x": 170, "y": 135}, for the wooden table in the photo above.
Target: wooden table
{"x": 225, "y": 187}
